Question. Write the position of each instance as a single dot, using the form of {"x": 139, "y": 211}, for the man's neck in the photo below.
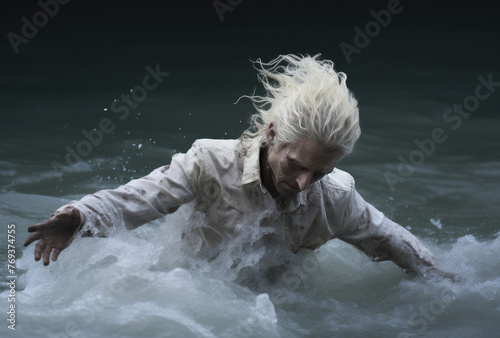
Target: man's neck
{"x": 266, "y": 174}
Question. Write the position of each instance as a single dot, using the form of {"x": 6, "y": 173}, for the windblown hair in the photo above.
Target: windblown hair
{"x": 305, "y": 98}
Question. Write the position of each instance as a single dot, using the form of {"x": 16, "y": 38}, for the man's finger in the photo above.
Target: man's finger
{"x": 40, "y": 246}
{"x": 32, "y": 238}
{"x": 55, "y": 254}
{"x": 38, "y": 226}
{"x": 46, "y": 255}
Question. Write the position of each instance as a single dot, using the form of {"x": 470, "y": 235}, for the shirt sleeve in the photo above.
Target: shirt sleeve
{"x": 145, "y": 199}
{"x": 377, "y": 236}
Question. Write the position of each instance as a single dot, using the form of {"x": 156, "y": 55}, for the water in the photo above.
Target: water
{"x": 134, "y": 283}
{"x": 145, "y": 282}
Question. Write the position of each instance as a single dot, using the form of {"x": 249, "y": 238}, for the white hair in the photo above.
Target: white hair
{"x": 305, "y": 98}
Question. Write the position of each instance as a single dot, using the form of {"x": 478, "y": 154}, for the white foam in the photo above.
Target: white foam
{"x": 145, "y": 282}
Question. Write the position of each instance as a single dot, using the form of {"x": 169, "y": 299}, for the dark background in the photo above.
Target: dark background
{"x": 91, "y": 52}
{"x": 92, "y": 48}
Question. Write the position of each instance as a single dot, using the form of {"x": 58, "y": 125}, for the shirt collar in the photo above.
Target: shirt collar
{"x": 250, "y": 150}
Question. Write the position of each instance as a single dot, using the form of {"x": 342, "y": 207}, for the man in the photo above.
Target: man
{"x": 281, "y": 171}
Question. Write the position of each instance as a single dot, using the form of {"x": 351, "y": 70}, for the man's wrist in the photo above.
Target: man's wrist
{"x": 82, "y": 217}
{"x": 71, "y": 209}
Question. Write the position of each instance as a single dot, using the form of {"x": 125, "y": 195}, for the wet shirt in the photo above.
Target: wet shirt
{"x": 222, "y": 180}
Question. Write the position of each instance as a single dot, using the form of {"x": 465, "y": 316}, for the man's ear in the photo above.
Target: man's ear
{"x": 270, "y": 133}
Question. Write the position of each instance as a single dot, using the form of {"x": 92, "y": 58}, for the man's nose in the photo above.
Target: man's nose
{"x": 304, "y": 180}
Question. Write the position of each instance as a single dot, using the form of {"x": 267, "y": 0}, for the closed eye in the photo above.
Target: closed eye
{"x": 297, "y": 165}
{"x": 316, "y": 175}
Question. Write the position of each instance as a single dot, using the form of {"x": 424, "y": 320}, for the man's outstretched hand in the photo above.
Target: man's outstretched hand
{"x": 55, "y": 234}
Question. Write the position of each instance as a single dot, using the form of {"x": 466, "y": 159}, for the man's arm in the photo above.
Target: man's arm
{"x": 382, "y": 239}
{"x": 386, "y": 240}
{"x": 130, "y": 205}
{"x": 140, "y": 201}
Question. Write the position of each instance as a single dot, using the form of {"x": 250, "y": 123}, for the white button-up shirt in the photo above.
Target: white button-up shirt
{"x": 222, "y": 179}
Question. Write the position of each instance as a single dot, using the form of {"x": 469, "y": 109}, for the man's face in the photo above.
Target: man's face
{"x": 296, "y": 166}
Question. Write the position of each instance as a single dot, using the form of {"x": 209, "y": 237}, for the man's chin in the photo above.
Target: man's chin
{"x": 287, "y": 191}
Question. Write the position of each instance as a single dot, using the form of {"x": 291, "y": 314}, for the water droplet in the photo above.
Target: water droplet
{"x": 105, "y": 109}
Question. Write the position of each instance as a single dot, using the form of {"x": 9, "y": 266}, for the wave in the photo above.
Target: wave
{"x": 150, "y": 282}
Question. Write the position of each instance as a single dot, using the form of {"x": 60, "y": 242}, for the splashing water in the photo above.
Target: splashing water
{"x": 151, "y": 282}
